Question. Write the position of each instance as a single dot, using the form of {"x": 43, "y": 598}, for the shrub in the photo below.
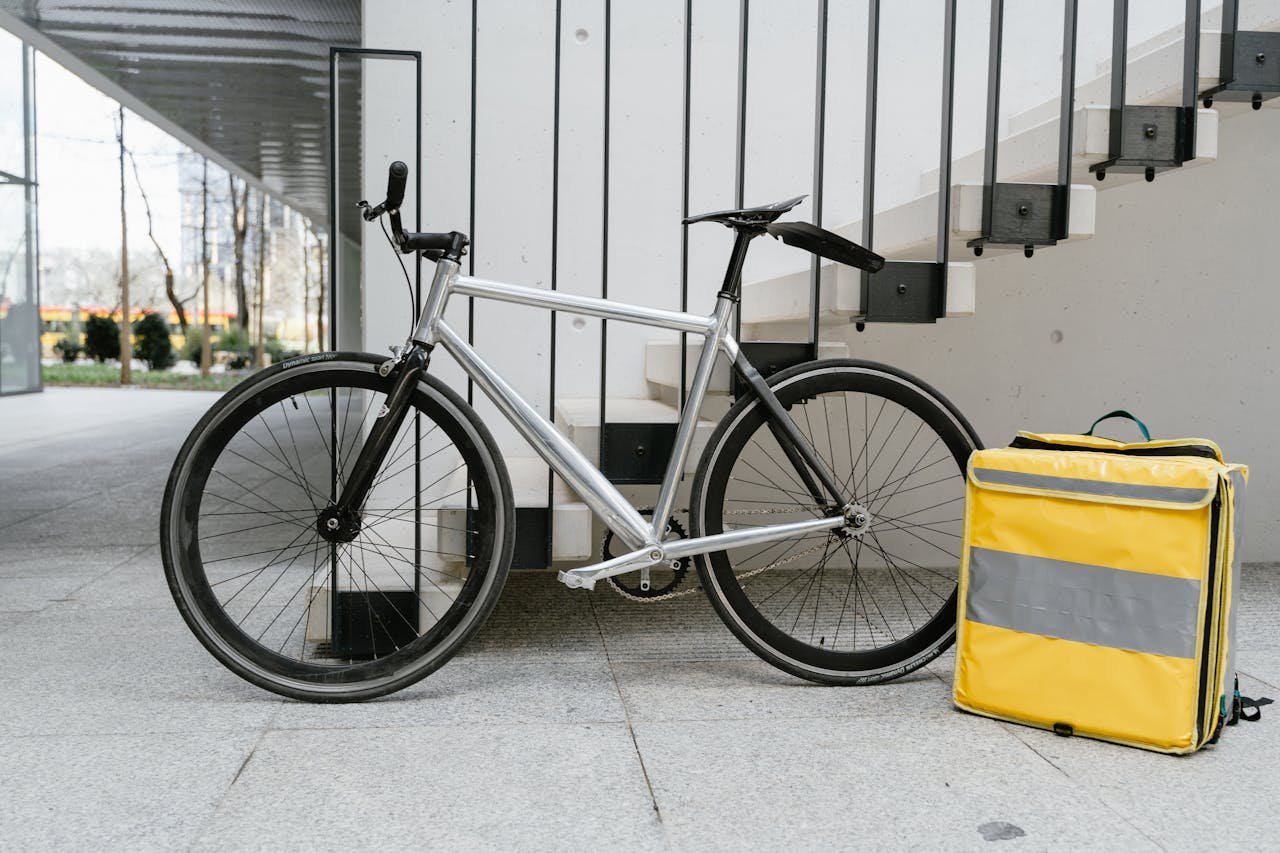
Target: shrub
{"x": 276, "y": 350}
{"x": 68, "y": 348}
{"x": 151, "y": 342}
{"x": 101, "y": 338}
{"x": 235, "y": 342}
{"x": 193, "y": 343}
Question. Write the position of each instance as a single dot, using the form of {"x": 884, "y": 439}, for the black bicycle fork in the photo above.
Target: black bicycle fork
{"x": 341, "y": 522}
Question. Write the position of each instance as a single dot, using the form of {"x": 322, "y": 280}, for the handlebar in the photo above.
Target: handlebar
{"x": 397, "y": 175}
{"x": 434, "y": 246}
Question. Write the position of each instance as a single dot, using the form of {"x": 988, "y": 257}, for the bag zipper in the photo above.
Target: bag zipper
{"x": 1210, "y": 608}
{"x": 1024, "y": 443}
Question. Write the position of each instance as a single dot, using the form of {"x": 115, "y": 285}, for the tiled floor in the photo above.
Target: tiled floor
{"x": 575, "y": 721}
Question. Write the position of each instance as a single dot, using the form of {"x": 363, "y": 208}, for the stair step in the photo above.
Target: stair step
{"x": 785, "y": 299}
{"x": 662, "y": 362}
{"x": 1030, "y": 155}
{"x": 570, "y": 517}
{"x": 579, "y": 419}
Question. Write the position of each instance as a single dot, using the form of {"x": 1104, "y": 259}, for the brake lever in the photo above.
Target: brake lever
{"x": 371, "y": 213}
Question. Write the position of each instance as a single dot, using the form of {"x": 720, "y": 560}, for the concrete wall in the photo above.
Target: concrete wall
{"x": 1170, "y": 311}
{"x": 1165, "y": 311}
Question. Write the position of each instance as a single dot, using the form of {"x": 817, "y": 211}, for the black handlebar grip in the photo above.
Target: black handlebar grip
{"x": 397, "y": 174}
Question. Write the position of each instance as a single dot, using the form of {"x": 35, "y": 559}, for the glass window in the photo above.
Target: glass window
{"x": 19, "y": 303}
{"x": 19, "y": 312}
{"x": 12, "y": 159}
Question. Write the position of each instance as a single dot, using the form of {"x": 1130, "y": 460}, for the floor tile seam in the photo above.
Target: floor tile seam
{"x": 459, "y": 722}
{"x": 783, "y": 717}
{"x": 135, "y": 554}
{"x": 199, "y": 831}
{"x": 1012, "y": 730}
{"x": 100, "y": 734}
{"x": 1259, "y": 679}
{"x": 631, "y": 732}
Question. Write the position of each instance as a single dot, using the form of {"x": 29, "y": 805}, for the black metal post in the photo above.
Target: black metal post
{"x": 555, "y": 266}
{"x": 819, "y": 158}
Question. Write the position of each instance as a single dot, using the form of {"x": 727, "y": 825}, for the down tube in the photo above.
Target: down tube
{"x": 551, "y": 444}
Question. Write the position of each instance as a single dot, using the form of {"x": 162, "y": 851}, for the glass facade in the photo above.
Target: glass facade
{"x": 19, "y": 283}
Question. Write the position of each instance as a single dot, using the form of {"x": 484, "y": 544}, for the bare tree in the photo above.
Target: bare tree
{"x": 126, "y": 328}
{"x": 306, "y": 287}
{"x": 239, "y": 230}
{"x": 169, "y": 290}
{"x": 258, "y": 354}
{"x": 206, "y": 354}
{"x": 320, "y": 316}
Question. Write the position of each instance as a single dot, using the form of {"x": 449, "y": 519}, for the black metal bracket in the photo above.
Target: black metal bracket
{"x": 769, "y": 357}
{"x": 1249, "y": 63}
{"x": 1150, "y": 139}
{"x": 905, "y": 292}
{"x": 1027, "y": 215}
{"x": 369, "y": 625}
{"x": 636, "y": 453}
{"x": 533, "y": 526}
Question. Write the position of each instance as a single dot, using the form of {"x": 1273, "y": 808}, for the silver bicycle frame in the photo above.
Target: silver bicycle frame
{"x": 645, "y": 538}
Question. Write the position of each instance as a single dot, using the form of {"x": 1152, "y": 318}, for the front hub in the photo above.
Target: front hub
{"x": 336, "y": 524}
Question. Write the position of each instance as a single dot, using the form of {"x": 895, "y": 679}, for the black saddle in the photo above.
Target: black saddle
{"x": 749, "y": 217}
{"x": 802, "y": 235}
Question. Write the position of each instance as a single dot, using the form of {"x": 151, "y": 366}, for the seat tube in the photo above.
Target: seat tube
{"x": 689, "y": 417}
{"x": 437, "y": 297}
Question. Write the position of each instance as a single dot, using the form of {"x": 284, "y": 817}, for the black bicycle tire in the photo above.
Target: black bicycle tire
{"x": 492, "y": 578}
{"x": 714, "y": 568}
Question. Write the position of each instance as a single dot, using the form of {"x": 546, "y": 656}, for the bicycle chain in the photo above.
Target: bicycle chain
{"x": 654, "y": 599}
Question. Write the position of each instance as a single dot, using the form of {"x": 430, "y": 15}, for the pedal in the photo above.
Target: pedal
{"x": 574, "y": 581}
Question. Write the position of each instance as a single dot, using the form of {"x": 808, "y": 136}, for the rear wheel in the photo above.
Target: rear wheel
{"x": 282, "y": 600}
{"x": 840, "y": 608}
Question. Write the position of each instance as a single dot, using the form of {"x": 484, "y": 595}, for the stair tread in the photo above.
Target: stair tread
{"x": 585, "y": 411}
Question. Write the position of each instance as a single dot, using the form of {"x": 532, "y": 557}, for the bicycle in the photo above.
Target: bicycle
{"x": 374, "y": 521}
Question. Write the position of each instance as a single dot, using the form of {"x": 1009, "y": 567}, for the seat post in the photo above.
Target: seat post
{"x": 733, "y": 273}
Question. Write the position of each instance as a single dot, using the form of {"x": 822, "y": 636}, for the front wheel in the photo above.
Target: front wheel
{"x": 840, "y": 608}
{"x": 294, "y": 601}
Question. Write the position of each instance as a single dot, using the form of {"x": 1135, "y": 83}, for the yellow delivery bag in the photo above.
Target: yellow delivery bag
{"x": 1096, "y": 586}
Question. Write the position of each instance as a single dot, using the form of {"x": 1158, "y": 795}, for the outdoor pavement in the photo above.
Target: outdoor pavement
{"x": 575, "y": 721}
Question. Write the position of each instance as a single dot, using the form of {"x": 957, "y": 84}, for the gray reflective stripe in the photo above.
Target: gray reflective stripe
{"x": 1089, "y": 604}
{"x": 1169, "y": 494}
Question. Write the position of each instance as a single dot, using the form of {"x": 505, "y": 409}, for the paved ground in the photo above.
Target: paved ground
{"x": 576, "y": 721}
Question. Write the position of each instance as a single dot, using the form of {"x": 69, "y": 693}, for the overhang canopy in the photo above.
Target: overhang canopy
{"x": 244, "y": 79}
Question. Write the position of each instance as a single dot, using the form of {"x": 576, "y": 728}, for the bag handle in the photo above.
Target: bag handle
{"x": 1121, "y": 413}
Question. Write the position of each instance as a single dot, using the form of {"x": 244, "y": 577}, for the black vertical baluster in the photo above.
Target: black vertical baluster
{"x": 604, "y": 218}
{"x": 471, "y": 225}
{"x": 819, "y": 158}
{"x": 869, "y": 136}
{"x": 1119, "y": 67}
{"x": 417, "y": 304}
{"x": 739, "y": 192}
{"x": 684, "y": 194}
{"x": 943, "y": 251}
{"x": 1227, "y": 51}
{"x": 1068, "y": 110}
{"x": 990, "y": 163}
{"x": 555, "y": 257}
{"x": 1190, "y": 75}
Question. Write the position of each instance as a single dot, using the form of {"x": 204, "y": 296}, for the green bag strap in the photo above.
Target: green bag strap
{"x": 1121, "y": 413}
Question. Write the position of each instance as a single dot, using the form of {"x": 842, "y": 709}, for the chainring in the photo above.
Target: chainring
{"x": 664, "y": 579}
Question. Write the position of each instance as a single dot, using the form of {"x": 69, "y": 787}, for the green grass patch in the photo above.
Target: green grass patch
{"x": 106, "y": 375}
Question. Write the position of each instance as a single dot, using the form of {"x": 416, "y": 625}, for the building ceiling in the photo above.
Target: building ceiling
{"x": 249, "y": 78}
